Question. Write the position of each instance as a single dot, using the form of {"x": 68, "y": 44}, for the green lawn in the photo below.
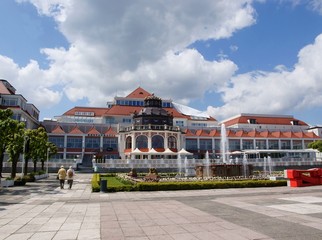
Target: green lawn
{"x": 113, "y": 182}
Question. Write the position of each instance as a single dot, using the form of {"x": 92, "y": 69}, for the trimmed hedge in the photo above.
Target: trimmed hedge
{"x": 163, "y": 186}
{"x": 116, "y": 185}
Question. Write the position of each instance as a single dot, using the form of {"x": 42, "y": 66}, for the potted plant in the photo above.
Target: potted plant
{"x": 8, "y": 182}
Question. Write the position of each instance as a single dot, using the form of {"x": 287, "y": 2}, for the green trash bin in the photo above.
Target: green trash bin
{"x": 103, "y": 185}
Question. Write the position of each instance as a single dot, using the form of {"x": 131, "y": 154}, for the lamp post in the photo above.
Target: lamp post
{"x": 25, "y": 139}
{"x": 47, "y": 160}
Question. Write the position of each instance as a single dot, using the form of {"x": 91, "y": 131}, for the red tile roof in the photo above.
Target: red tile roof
{"x": 139, "y": 93}
{"x": 58, "y": 130}
{"x": 265, "y": 120}
{"x": 110, "y": 132}
{"x": 231, "y": 133}
{"x": 122, "y": 110}
{"x": 4, "y": 89}
{"x": 76, "y": 130}
{"x": 98, "y": 112}
{"x": 93, "y": 131}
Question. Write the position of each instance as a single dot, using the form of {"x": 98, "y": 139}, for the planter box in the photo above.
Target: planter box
{"x": 7, "y": 183}
{"x": 42, "y": 176}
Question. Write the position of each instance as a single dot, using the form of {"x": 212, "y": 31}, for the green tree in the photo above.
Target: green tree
{"x": 6, "y": 122}
{"x": 316, "y": 145}
{"x": 15, "y": 144}
{"x": 38, "y": 146}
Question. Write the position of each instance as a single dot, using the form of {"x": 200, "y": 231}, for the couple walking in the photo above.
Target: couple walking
{"x": 63, "y": 174}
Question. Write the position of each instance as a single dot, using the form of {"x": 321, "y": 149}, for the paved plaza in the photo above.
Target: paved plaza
{"x": 43, "y": 211}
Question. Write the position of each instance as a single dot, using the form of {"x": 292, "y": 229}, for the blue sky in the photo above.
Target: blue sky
{"x": 223, "y": 57}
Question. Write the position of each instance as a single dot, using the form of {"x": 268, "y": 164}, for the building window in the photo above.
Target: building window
{"x": 295, "y": 122}
{"x": 191, "y": 144}
{"x": 261, "y": 144}
{"x": 128, "y": 142}
{"x": 252, "y": 121}
{"x": 199, "y": 124}
{"x": 110, "y": 144}
{"x": 297, "y": 144}
{"x": 248, "y": 144}
{"x": 74, "y": 142}
{"x": 172, "y": 142}
{"x": 205, "y": 144}
{"x": 127, "y": 120}
{"x": 91, "y": 142}
{"x": 141, "y": 142}
{"x": 273, "y": 144}
{"x": 179, "y": 123}
{"x": 217, "y": 144}
{"x": 285, "y": 144}
{"x": 234, "y": 144}
{"x": 58, "y": 141}
{"x": 109, "y": 120}
{"x": 157, "y": 141}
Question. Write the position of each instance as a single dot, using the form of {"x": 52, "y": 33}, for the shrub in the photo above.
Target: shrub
{"x": 40, "y": 172}
{"x": 30, "y": 177}
{"x": 19, "y": 181}
{"x": 162, "y": 186}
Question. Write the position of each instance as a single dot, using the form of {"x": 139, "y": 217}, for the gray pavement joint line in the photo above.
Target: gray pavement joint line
{"x": 269, "y": 211}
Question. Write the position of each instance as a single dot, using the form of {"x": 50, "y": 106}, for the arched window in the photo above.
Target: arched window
{"x": 157, "y": 141}
{"x": 128, "y": 143}
{"x": 172, "y": 142}
{"x": 141, "y": 142}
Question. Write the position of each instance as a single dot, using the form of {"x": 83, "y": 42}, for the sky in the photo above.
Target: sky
{"x": 222, "y": 57}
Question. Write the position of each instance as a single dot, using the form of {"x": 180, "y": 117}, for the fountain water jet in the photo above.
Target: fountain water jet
{"x": 207, "y": 164}
{"x": 223, "y": 143}
{"x": 269, "y": 163}
{"x": 179, "y": 165}
{"x": 245, "y": 163}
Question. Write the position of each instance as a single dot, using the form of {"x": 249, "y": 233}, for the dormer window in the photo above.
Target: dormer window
{"x": 252, "y": 121}
{"x": 295, "y": 122}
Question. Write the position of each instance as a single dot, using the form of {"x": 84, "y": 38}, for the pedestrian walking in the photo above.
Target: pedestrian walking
{"x": 61, "y": 176}
{"x": 70, "y": 176}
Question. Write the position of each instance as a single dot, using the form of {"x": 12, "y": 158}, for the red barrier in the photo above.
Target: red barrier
{"x": 303, "y": 178}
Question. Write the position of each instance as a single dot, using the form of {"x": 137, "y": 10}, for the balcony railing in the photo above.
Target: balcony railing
{"x": 150, "y": 127}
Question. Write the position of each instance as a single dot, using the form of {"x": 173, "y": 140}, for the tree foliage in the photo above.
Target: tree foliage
{"x": 316, "y": 145}
{"x": 5, "y": 123}
{"x": 15, "y": 144}
{"x": 13, "y": 139}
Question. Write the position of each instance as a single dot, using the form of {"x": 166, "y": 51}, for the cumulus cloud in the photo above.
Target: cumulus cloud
{"x": 276, "y": 92}
{"x": 31, "y": 81}
{"x": 115, "y": 47}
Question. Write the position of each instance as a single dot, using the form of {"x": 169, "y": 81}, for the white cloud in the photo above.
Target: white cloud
{"x": 276, "y": 92}
{"x": 316, "y": 5}
{"x": 31, "y": 81}
{"x": 117, "y": 46}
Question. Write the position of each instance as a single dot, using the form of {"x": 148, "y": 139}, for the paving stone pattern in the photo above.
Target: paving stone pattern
{"x": 43, "y": 211}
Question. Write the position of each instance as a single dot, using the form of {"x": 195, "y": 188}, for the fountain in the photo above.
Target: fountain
{"x": 179, "y": 164}
{"x": 207, "y": 164}
{"x": 245, "y": 163}
{"x": 223, "y": 143}
{"x": 269, "y": 163}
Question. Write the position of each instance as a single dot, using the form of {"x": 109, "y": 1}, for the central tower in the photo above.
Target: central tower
{"x": 152, "y": 113}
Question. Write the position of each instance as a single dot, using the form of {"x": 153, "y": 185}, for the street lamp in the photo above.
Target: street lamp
{"x": 25, "y": 139}
{"x": 48, "y": 150}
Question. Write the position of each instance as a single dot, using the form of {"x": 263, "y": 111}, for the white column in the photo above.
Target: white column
{"x": 165, "y": 140}
{"x": 65, "y": 146}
